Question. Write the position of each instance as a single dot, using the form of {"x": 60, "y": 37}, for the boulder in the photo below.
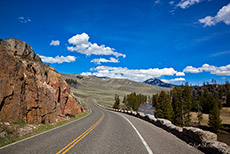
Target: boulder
{"x": 177, "y": 131}
{"x": 150, "y": 118}
{"x": 196, "y": 135}
{"x": 141, "y": 115}
{"x": 3, "y": 134}
{"x": 134, "y": 113}
{"x": 215, "y": 147}
{"x": 31, "y": 91}
{"x": 165, "y": 124}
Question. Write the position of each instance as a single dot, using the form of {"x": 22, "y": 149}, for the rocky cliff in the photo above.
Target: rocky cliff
{"x": 31, "y": 91}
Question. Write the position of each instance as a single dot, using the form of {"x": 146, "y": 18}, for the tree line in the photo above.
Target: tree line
{"x": 71, "y": 81}
{"x": 131, "y": 101}
{"x": 180, "y": 101}
{"x": 178, "y": 104}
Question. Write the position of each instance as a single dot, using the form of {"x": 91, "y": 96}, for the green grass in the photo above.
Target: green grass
{"x": 40, "y": 129}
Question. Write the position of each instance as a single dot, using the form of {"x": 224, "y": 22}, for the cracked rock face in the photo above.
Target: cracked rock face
{"x": 31, "y": 91}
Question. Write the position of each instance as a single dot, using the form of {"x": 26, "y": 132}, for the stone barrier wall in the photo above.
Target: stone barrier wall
{"x": 203, "y": 140}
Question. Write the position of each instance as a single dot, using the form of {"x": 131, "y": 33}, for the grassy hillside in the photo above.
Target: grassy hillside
{"x": 104, "y": 89}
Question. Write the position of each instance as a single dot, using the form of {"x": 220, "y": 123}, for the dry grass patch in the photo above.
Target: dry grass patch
{"x": 224, "y": 115}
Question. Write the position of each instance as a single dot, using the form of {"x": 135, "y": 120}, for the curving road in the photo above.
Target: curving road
{"x": 103, "y": 132}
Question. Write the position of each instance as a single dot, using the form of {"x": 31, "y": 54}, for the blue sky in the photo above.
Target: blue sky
{"x": 177, "y": 41}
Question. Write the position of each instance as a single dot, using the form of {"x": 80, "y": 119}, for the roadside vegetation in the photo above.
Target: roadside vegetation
{"x": 206, "y": 99}
{"x": 14, "y": 135}
{"x": 206, "y": 106}
{"x": 130, "y": 102}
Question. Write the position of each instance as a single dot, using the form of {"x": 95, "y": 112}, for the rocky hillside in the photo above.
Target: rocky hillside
{"x": 30, "y": 91}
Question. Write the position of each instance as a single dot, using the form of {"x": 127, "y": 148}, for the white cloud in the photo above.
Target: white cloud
{"x": 55, "y": 43}
{"x": 103, "y": 60}
{"x": 24, "y": 19}
{"x": 171, "y": 2}
{"x": 174, "y": 80}
{"x": 132, "y": 74}
{"x": 177, "y": 80}
{"x": 221, "y": 53}
{"x": 82, "y": 45}
{"x": 222, "y": 70}
{"x": 164, "y": 80}
{"x": 223, "y": 15}
{"x": 180, "y": 74}
{"x": 207, "y": 21}
{"x": 79, "y": 39}
{"x": 157, "y": 2}
{"x": 191, "y": 69}
{"x": 58, "y": 59}
{"x": 187, "y": 3}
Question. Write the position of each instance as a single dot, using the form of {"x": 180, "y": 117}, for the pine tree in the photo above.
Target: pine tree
{"x": 168, "y": 110}
{"x": 154, "y": 100}
{"x": 214, "y": 117}
{"x": 117, "y": 102}
{"x": 186, "y": 104}
{"x": 205, "y": 101}
{"x": 199, "y": 113}
{"x": 228, "y": 99}
{"x": 177, "y": 105}
{"x": 159, "y": 107}
{"x": 125, "y": 100}
{"x": 132, "y": 101}
{"x": 164, "y": 107}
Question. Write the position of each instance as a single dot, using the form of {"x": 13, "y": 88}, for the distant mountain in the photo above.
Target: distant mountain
{"x": 103, "y": 89}
{"x": 158, "y": 82}
{"x": 103, "y": 77}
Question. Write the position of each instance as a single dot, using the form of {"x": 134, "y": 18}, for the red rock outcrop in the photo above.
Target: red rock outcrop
{"x": 31, "y": 91}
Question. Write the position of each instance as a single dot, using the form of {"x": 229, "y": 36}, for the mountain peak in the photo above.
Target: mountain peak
{"x": 158, "y": 82}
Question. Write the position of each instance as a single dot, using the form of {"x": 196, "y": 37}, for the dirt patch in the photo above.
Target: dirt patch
{"x": 224, "y": 137}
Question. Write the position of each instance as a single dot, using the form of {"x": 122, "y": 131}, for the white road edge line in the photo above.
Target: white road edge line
{"x": 142, "y": 139}
{"x": 43, "y": 132}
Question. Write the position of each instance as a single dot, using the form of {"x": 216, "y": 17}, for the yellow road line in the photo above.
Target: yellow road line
{"x": 79, "y": 138}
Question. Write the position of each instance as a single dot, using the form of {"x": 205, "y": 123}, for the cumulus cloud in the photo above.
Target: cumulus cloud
{"x": 58, "y": 59}
{"x": 103, "y": 60}
{"x": 223, "y": 15}
{"x": 132, "y": 74}
{"x": 55, "y": 43}
{"x": 180, "y": 74}
{"x": 174, "y": 80}
{"x": 177, "y": 80}
{"x": 82, "y": 45}
{"x": 191, "y": 69}
{"x": 24, "y": 19}
{"x": 221, "y": 71}
{"x": 187, "y": 3}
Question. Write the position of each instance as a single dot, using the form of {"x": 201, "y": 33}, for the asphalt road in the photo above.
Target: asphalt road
{"x": 103, "y": 132}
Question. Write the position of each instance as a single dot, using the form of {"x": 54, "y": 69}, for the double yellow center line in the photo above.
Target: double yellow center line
{"x": 79, "y": 138}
